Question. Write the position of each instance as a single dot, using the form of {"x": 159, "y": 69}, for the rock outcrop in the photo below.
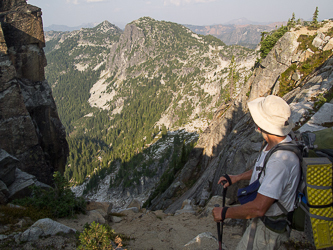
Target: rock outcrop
{"x": 44, "y": 227}
{"x": 30, "y": 129}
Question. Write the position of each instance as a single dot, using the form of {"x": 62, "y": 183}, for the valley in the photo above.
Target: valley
{"x": 118, "y": 92}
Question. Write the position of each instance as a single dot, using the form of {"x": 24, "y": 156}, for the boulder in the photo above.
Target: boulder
{"x": 186, "y": 208}
{"x": 296, "y": 76}
{"x": 318, "y": 41}
{"x": 21, "y": 223}
{"x": 97, "y": 216}
{"x": 20, "y": 187}
{"x": 203, "y": 241}
{"x": 305, "y": 55}
{"x": 116, "y": 219}
{"x": 135, "y": 203}
{"x": 93, "y": 205}
{"x": 329, "y": 45}
{"x": 44, "y": 227}
{"x": 8, "y": 164}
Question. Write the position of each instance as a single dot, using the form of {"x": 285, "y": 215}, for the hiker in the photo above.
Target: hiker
{"x": 278, "y": 182}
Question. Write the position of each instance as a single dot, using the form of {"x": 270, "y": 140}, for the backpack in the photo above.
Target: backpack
{"x": 313, "y": 210}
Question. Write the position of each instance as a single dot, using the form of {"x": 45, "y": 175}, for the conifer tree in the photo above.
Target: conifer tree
{"x": 315, "y": 18}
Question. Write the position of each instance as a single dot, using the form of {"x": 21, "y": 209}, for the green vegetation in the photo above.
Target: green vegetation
{"x": 58, "y": 202}
{"x": 268, "y": 40}
{"x": 314, "y": 22}
{"x": 99, "y": 237}
{"x": 292, "y": 22}
{"x": 285, "y": 80}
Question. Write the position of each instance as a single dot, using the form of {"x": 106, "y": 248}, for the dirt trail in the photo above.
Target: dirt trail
{"x": 155, "y": 230}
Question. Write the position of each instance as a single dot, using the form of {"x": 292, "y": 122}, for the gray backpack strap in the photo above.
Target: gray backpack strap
{"x": 252, "y": 233}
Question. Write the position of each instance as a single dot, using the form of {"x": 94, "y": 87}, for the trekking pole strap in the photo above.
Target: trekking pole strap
{"x": 224, "y": 211}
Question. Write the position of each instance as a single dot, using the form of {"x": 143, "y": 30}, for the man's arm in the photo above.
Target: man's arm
{"x": 256, "y": 208}
{"x": 234, "y": 178}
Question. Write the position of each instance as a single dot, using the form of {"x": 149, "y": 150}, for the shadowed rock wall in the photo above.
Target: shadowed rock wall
{"x": 30, "y": 128}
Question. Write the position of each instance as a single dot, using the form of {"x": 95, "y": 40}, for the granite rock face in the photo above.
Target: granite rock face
{"x": 30, "y": 128}
{"x": 132, "y": 37}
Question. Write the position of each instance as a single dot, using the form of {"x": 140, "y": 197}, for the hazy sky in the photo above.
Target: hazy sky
{"x": 198, "y": 12}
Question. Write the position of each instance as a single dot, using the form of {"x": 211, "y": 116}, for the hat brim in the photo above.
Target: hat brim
{"x": 256, "y": 111}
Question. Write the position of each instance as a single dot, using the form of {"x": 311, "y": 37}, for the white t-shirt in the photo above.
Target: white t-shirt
{"x": 280, "y": 178}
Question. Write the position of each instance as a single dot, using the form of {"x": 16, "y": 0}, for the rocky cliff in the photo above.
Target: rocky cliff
{"x": 32, "y": 137}
{"x": 230, "y": 144}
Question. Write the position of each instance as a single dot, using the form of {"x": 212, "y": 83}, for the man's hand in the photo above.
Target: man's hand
{"x": 217, "y": 213}
{"x": 225, "y": 182}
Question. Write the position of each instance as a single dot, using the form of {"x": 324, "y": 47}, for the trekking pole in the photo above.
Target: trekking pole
{"x": 219, "y": 234}
{"x": 220, "y": 224}
{"x": 223, "y": 204}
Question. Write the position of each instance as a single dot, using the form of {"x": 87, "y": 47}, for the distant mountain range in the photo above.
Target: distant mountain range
{"x": 57, "y": 27}
{"x": 243, "y": 20}
{"x": 238, "y": 31}
{"x": 242, "y": 32}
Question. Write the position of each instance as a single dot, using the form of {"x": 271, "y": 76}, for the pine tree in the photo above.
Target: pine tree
{"x": 315, "y": 18}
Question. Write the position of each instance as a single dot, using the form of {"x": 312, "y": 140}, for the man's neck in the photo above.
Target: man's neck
{"x": 273, "y": 140}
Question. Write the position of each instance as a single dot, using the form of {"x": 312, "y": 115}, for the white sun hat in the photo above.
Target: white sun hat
{"x": 271, "y": 114}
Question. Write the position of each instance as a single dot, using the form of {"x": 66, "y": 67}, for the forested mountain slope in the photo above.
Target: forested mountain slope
{"x": 115, "y": 91}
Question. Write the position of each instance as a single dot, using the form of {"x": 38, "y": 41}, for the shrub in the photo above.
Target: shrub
{"x": 98, "y": 237}
{"x": 59, "y": 201}
{"x": 95, "y": 237}
{"x": 268, "y": 42}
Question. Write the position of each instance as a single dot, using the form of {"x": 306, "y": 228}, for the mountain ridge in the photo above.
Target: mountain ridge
{"x": 179, "y": 74}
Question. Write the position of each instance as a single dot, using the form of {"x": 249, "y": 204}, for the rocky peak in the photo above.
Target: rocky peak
{"x": 31, "y": 133}
{"x": 106, "y": 26}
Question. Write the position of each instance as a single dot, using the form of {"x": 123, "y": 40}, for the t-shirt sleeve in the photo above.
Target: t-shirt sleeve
{"x": 275, "y": 179}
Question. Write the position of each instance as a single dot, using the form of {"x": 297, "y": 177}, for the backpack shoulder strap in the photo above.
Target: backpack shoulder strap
{"x": 289, "y": 146}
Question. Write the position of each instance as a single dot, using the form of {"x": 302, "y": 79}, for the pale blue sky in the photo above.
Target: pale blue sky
{"x": 197, "y": 12}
